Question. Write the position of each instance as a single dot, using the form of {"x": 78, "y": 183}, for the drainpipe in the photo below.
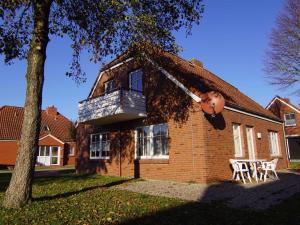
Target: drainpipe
{"x": 286, "y": 146}
{"x": 119, "y": 152}
{"x": 193, "y": 156}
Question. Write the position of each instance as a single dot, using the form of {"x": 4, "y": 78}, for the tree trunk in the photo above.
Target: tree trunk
{"x": 19, "y": 191}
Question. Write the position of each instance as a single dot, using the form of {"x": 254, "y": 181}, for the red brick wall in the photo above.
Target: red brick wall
{"x": 279, "y": 109}
{"x": 220, "y": 146}
{"x": 8, "y": 152}
{"x": 199, "y": 150}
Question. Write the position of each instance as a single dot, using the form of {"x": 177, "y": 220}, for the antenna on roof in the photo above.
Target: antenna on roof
{"x": 212, "y": 103}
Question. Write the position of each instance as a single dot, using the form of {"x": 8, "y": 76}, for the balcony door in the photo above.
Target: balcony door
{"x": 136, "y": 81}
{"x": 250, "y": 142}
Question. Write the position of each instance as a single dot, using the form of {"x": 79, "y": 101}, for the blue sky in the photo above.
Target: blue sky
{"x": 230, "y": 41}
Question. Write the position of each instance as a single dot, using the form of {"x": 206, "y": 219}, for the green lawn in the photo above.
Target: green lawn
{"x": 89, "y": 199}
{"x": 294, "y": 165}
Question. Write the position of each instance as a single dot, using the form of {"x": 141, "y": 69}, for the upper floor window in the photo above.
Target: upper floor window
{"x": 290, "y": 119}
{"x": 72, "y": 151}
{"x": 99, "y": 146}
{"x": 136, "y": 80}
{"x": 109, "y": 86}
{"x": 152, "y": 141}
{"x": 274, "y": 143}
{"x": 237, "y": 139}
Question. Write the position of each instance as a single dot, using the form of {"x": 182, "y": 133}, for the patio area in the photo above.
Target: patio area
{"x": 256, "y": 196}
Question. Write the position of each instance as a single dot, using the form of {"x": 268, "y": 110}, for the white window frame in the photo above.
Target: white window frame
{"x": 50, "y": 153}
{"x": 239, "y": 136}
{"x": 130, "y": 79}
{"x": 72, "y": 151}
{"x": 274, "y": 146}
{"x": 100, "y": 142}
{"x": 109, "y": 83}
{"x": 285, "y": 120}
{"x": 151, "y": 156}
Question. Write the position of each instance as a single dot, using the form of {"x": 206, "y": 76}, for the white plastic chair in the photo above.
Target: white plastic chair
{"x": 239, "y": 168}
{"x": 267, "y": 167}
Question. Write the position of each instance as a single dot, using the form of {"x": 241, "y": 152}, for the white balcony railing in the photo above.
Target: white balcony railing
{"x": 120, "y": 105}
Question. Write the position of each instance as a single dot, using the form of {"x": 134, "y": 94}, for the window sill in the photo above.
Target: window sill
{"x": 152, "y": 161}
{"x": 99, "y": 158}
{"x": 276, "y": 156}
{"x": 238, "y": 156}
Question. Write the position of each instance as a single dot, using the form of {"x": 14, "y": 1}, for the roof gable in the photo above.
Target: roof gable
{"x": 198, "y": 80}
{"x": 281, "y": 100}
{"x": 11, "y": 119}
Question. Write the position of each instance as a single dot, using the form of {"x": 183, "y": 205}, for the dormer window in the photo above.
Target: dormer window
{"x": 109, "y": 86}
{"x": 290, "y": 119}
{"x": 46, "y": 128}
{"x": 136, "y": 80}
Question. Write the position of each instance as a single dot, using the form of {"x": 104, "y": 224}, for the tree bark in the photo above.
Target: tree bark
{"x": 19, "y": 191}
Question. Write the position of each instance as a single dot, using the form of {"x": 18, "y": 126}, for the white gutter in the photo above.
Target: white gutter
{"x": 185, "y": 89}
{"x": 251, "y": 114}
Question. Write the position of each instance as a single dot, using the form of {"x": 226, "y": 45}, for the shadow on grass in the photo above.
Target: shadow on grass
{"x": 68, "y": 194}
{"x": 250, "y": 205}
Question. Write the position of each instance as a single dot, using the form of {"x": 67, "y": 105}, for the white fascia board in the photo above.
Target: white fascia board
{"x": 109, "y": 69}
{"x": 175, "y": 81}
{"x": 55, "y": 138}
{"x": 251, "y": 114}
{"x": 287, "y": 104}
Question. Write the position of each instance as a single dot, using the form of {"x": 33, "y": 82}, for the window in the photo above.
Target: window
{"x": 48, "y": 155}
{"x": 46, "y": 128}
{"x": 72, "y": 151}
{"x": 100, "y": 146}
{"x": 136, "y": 80}
{"x": 273, "y": 143}
{"x": 237, "y": 140}
{"x": 109, "y": 86}
{"x": 290, "y": 119}
{"x": 54, "y": 155}
{"x": 152, "y": 141}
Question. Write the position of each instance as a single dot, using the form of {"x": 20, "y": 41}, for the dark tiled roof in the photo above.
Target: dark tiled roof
{"x": 11, "y": 118}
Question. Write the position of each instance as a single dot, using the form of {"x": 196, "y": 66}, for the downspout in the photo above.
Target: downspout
{"x": 287, "y": 150}
{"x": 193, "y": 156}
{"x": 119, "y": 146}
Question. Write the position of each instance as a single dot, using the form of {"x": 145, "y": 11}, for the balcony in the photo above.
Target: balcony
{"x": 119, "y": 105}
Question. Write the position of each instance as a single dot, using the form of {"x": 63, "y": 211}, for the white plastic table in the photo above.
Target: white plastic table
{"x": 253, "y": 165}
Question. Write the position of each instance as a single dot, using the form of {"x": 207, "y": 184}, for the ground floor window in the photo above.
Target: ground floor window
{"x": 274, "y": 143}
{"x": 100, "y": 146}
{"x": 48, "y": 155}
{"x": 152, "y": 141}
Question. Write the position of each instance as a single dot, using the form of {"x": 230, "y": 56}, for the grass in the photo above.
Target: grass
{"x": 90, "y": 199}
{"x": 294, "y": 165}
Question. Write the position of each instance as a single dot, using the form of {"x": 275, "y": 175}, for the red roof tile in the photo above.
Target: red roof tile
{"x": 11, "y": 119}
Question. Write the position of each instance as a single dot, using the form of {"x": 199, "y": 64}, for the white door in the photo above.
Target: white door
{"x": 250, "y": 142}
{"x": 43, "y": 157}
{"x": 48, "y": 155}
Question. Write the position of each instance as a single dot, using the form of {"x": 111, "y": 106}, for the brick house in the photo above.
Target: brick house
{"x": 57, "y": 147}
{"x": 142, "y": 118}
{"x": 290, "y": 114}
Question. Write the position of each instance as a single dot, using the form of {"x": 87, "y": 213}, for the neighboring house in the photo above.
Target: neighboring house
{"x": 290, "y": 114}
{"x": 57, "y": 144}
{"x": 144, "y": 120}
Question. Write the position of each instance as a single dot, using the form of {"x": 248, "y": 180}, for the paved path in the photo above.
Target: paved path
{"x": 257, "y": 196}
